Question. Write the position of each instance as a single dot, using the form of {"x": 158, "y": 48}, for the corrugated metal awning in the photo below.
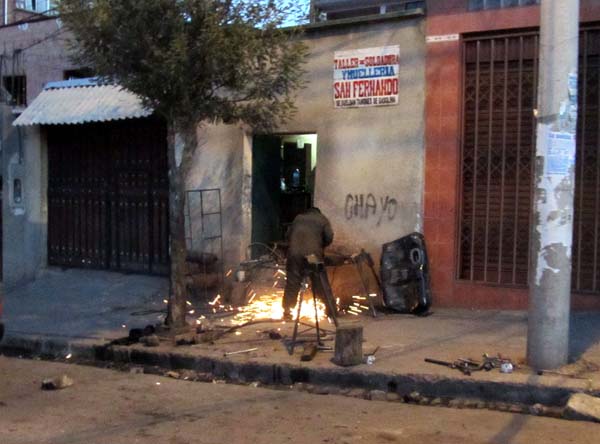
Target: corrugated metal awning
{"x": 81, "y": 101}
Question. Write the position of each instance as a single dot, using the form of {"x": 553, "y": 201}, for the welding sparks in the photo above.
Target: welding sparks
{"x": 165, "y": 301}
{"x": 188, "y": 302}
{"x": 355, "y": 309}
{"x": 68, "y": 356}
{"x": 268, "y": 306}
{"x": 229, "y": 273}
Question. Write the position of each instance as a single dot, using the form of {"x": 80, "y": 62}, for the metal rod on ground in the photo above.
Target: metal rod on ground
{"x": 295, "y": 334}
{"x": 357, "y": 263}
{"x": 239, "y": 352}
{"x": 564, "y": 375}
{"x": 552, "y": 225}
{"x": 316, "y": 320}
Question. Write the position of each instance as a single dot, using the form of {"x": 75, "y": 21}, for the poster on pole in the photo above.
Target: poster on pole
{"x": 366, "y": 77}
{"x": 560, "y": 156}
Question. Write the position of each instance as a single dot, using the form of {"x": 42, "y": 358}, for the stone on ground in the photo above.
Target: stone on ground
{"x": 583, "y": 407}
{"x": 58, "y": 383}
{"x": 378, "y": 395}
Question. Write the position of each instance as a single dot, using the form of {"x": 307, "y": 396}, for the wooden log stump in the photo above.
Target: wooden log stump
{"x": 348, "y": 344}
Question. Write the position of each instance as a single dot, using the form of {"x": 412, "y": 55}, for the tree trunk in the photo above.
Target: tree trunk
{"x": 181, "y": 145}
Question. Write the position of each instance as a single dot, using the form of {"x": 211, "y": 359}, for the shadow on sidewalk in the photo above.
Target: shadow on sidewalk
{"x": 584, "y": 334}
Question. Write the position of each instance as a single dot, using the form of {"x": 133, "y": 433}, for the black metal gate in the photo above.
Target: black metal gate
{"x": 498, "y": 145}
{"x": 497, "y": 152}
{"x": 108, "y": 196}
{"x": 586, "y": 233}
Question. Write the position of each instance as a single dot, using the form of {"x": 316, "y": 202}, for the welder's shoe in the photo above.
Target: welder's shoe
{"x": 287, "y": 316}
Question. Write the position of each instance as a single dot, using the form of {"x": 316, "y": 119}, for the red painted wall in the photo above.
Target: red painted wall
{"x": 442, "y": 149}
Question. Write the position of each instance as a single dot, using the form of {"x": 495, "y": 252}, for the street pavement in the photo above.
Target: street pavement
{"x": 109, "y": 407}
{"x": 99, "y": 305}
{"x": 76, "y": 310}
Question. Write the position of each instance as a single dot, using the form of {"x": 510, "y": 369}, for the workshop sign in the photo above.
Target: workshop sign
{"x": 366, "y": 77}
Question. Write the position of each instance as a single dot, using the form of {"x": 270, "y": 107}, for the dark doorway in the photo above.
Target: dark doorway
{"x": 108, "y": 196}
{"x": 283, "y": 178}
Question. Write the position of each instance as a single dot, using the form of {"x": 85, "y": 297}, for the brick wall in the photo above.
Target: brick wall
{"x": 37, "y": 50}
{"x": 442, "y": 147}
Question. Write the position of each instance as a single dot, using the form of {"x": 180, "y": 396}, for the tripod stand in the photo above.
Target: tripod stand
{"x": 316, "y": 274}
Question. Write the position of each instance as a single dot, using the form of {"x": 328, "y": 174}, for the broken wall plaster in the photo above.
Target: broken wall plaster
{"x": 179, "y": 146}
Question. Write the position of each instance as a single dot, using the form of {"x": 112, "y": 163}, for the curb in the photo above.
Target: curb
{"x": 432, "y": 386}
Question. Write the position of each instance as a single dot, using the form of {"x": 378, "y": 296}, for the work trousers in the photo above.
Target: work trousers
{"x": 295, "y": 272}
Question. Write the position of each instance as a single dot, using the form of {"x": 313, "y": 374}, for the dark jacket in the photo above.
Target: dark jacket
{"x": 310, "y": 233}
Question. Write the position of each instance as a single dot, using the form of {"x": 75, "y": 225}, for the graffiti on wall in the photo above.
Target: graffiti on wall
{"x": 368, "y": 207}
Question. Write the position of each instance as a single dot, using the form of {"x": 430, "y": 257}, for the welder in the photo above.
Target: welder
{"x": 309, "y": 234}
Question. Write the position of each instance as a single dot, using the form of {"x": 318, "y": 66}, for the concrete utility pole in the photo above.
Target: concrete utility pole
{"x": 552, "y": 230}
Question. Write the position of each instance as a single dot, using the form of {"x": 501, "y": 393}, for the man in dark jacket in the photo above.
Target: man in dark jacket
{"x": 309, "y": 234}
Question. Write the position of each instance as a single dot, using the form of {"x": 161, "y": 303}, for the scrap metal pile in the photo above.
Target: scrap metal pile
{"x": 257, "y": 285}
{"x": 467, "y": 366}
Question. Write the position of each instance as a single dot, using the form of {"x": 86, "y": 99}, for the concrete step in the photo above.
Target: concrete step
{"x": 241, "y": 370}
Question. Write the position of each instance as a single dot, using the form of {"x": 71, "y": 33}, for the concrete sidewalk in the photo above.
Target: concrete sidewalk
{"x": 41, "y": 322}
{"x": 80, "y": 303}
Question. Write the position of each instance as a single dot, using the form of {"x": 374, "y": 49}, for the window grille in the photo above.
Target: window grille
{"x": 497, "y": 152}
{"x": 476, "y": 5}
{"x": 586, "y": 232}
{"x": 16, "y": 89}
{"x": 498, "y": 145}
{"x": 39, "y": 6}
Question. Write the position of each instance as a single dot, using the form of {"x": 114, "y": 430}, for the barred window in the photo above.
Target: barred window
{"x": 476, "y": 5}
{"x": 39, "y": 6}
{"x": 16, "y": 90}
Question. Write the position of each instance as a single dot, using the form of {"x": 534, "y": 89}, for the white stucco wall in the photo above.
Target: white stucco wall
{"x": 219, "y": 162}
{"x": 376, "y": 152}
{"x": 25, "y": 223}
